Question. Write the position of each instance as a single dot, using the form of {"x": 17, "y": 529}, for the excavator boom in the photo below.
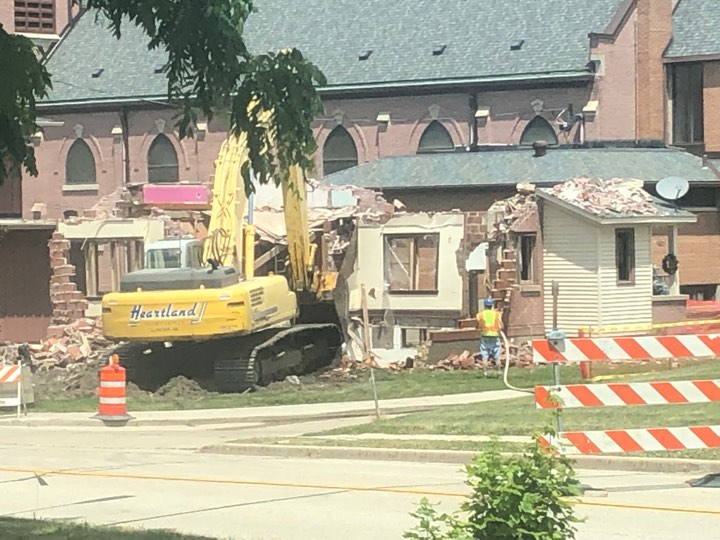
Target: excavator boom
{"x": 246, "y": 325}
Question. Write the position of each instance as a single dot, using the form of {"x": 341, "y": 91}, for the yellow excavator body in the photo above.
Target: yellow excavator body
{"x": 198, "y": 314}
{"x": 226, "y": 300}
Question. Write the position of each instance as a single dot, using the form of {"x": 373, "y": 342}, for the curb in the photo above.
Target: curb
{"x": 615, "y": 463}
{"x": 195, "y": 422}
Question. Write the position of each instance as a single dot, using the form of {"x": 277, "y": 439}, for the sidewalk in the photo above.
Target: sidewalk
{"x": 279, "y": 413}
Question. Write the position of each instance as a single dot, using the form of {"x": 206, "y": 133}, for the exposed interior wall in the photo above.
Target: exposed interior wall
{"x": 25, "y": 308}
{"x": 401, "y": 320}
{"x": 377, "y": 263}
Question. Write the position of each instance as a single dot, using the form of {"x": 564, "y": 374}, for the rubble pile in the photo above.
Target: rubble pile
{"x": 607, "y": 197}
{"x": 80, "y": 342}
{"x": 504, "y": 215}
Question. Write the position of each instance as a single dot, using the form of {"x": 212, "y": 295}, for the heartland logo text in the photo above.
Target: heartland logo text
{"x": 195, "y": 312}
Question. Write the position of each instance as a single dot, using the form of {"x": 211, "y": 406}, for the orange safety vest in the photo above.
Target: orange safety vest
{"x": 490, "y": 322}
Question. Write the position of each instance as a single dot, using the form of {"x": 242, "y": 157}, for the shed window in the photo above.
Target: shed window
{"x": 339, "y": 152}
{"x": 435, "y": 138}
{"x": 35, "y": 16}
{"x": 80, "y": 164}
{"x": 527, "y": 251}
{"x": 411, "y": 263}
{"x": 687, "y": 103}
{"x": 538, "y": 129}
{"x": 625, "y": 255}
{"x": 162, "y": 161}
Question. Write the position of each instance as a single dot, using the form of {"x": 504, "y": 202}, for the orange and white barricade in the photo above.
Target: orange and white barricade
{"x": 9, "y": 374}
{"x": 626, "y": 348}
{"x": 112, "y": 407}
{"x": 631, "y": 394}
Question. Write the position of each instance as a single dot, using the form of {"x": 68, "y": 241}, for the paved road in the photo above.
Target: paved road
{"x": 154, "y": 479}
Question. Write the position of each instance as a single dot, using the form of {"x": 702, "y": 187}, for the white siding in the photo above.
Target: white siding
{"x": 570, "y": 257}
{"x": 625, "y": 304}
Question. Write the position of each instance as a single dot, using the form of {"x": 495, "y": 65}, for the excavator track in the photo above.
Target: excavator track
{"x": 295, "y": 350}
{"x": 234, "y": 364}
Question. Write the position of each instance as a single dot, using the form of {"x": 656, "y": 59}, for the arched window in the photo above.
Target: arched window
{"x": 435, "y": 138}
{"x": 538, "y": 129}
{"x": 80, "y": 164}
{"x": 339, "y": 152}
{"x": 162, "y": 161}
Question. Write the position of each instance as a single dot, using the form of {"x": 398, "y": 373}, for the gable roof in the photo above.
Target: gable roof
{"x": 695, "y": 30}
{"x": 333, "y": 33}
{"x": 508, "y": 167}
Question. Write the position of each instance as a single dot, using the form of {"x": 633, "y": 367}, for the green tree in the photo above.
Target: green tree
{"x": 209, "y": 68}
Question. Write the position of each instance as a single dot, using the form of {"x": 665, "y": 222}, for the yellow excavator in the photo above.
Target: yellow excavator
{"x": 220, "y": 318}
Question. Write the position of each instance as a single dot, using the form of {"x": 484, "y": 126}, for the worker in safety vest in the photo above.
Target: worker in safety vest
{"x": 490, "y": 321}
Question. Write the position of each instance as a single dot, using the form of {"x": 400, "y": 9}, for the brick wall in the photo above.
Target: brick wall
{"x": 615, "y": 85}
{"x": 654, "y": 31}
{"x": 665, "y": 310}
{"x": 11, "y": 196}
{"x": 25, "y": 308}
{"x": 711, "y": 106}
{"x": 698, "y": 251}
{"x": 68, "y": 303}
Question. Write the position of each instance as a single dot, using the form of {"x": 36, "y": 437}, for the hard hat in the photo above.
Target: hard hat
{"x": 488, "y": 302}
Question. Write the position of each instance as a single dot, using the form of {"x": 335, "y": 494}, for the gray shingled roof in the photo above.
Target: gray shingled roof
{"x": 696, "y": 29}
{"x": 332, "y": 33}
{"x": 507, "y": 167}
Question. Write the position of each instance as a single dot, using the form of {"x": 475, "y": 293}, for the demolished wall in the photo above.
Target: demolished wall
{"x": 69, "y": 304}
{"x": 408, "y": 266}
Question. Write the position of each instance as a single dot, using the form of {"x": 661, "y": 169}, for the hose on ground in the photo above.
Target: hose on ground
{"x": 507, "y": 367}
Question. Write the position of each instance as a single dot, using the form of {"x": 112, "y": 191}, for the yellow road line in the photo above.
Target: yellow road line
{"x": 333, "y": 487}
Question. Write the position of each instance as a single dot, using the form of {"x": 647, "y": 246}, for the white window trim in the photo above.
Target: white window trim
{"x": 72, "y": 188}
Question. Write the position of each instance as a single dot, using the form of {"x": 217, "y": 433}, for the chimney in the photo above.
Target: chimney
{"x": 540, "y": 148}
{"x": 654, "y": 31}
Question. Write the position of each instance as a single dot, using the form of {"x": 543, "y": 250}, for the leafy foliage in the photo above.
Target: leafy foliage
{"x": 209, "y": 68}
{"x": 517, "y": 497}
{"x": 25, "y": 81}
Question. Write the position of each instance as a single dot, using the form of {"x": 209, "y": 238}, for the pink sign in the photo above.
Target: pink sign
{"x": 176, "y": 195}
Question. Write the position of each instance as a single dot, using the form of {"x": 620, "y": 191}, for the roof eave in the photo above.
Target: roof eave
{"x": 532, "y": 78}
{"x": 692, "y": 58}
{"x": 620, "y": 220}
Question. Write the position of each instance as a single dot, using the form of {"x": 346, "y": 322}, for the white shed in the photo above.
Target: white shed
{"x": 597, "y": 248}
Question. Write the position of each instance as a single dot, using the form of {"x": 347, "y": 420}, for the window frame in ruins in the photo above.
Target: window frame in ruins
{"x": 413, "y": 271}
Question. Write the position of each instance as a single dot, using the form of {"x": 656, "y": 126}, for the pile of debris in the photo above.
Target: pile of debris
{"x": 514, "y": 213}
{"x": 607, "y": 197}
{"x": 80, "y": 343}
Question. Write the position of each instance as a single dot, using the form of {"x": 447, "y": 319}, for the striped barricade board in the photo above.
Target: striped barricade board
{"x": 10, "y": 379}
{"x": 617, "y": 441}
{"x": 624, "y": 394}
{"x": 627, "y": 348}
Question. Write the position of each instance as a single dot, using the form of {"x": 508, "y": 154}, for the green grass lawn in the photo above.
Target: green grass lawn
{"x": 403, "y": 384}
{"x": 519, "y": 416}
{"x": 32, "y": 529}
{"x": 390, "y": 384}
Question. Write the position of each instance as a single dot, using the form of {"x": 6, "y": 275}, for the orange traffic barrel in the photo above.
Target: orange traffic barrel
{"x": 112, "y": 408}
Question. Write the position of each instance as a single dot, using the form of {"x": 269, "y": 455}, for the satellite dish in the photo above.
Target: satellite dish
{"x": 672, "y": 188}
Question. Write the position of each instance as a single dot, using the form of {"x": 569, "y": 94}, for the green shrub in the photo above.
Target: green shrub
{"x": 517, "y": 497}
